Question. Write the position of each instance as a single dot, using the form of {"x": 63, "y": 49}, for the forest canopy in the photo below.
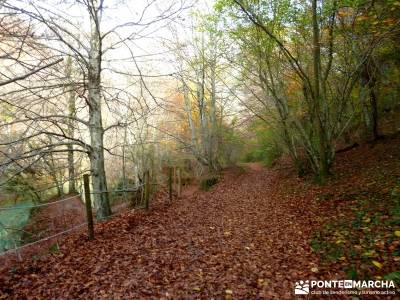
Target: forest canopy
{"x": 197, "y": 85}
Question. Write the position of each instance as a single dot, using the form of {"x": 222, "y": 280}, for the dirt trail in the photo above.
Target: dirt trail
{"x": 239, "y": 239}
{"x": 254, "y": 166}
{"x": 190, "y": 190}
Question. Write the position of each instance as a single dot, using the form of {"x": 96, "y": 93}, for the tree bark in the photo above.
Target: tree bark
{"x": 202, "y": 105}
{"x": 213, "y": 150}
{"x": 72, "y": 114}
{"x": 369, "y": 100}
{"x": 99, "y": 182}
{"x": 323, "y": 167}
{"x": 374, "y": 106}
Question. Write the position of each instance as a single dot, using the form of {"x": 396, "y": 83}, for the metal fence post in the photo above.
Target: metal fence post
{"x": 88, "y": 202}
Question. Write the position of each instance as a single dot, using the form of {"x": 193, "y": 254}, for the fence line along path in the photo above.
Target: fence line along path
{"x": 46, "y": 222}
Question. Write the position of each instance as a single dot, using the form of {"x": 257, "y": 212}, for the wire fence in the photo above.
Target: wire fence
{"x": 24, "y": 226}
{"x": 28, "y": 228}
{"x": 17, "y": 249}
{"x": 37, "y": 205}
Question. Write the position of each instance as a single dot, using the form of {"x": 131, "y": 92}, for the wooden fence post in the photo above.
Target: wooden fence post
{"x": 146, "y": 190}
{"x": 88, "y": 204}
{"x": 170, "y": 183}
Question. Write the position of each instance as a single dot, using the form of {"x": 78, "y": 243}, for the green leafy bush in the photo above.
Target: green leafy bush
{"x": 264, "y": 146}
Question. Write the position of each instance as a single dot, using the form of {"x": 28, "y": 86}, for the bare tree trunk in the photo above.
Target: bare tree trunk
{"x": 72, "y": 114}
{"x": 213, "y": 145}
{"x": 124, "y": 181}
{"x": 369, "y": 100}
{"x": 124, "y": 175}
{"x": 374, "y": 106}
{"x": 195, "y": 147}
{"x": 202, "y": 105}
{"x": 71, "y": 170}
{"x": 188, "y": 109}
{"x": 202, "y": 111}
{"x": 323, "y": 167}
{"x": 52, "y": 169}
{"x": 364, "y": 104}
{"x": 99, "y": 182}
{"x": 97, "y": 155}
{"x": 372, "y": 80}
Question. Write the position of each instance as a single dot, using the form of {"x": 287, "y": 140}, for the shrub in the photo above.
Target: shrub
{"x": 208, "y": 182}
{"x": 264, "y": 147}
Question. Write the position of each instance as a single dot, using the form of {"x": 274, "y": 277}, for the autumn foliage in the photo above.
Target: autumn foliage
{"x": 251, "y": 236}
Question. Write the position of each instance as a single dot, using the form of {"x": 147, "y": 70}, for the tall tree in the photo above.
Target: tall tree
{"x": 280, "y": 62}
{"x": 87, "y": 49}
{"x": 71, "y": 95}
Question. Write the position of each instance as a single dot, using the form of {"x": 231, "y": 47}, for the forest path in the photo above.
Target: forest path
{"x": 254, "y": 166}
{"x": 239, "y": 239}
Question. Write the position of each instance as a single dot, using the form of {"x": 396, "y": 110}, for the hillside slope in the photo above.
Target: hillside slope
{"x": 251, "y": 236}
